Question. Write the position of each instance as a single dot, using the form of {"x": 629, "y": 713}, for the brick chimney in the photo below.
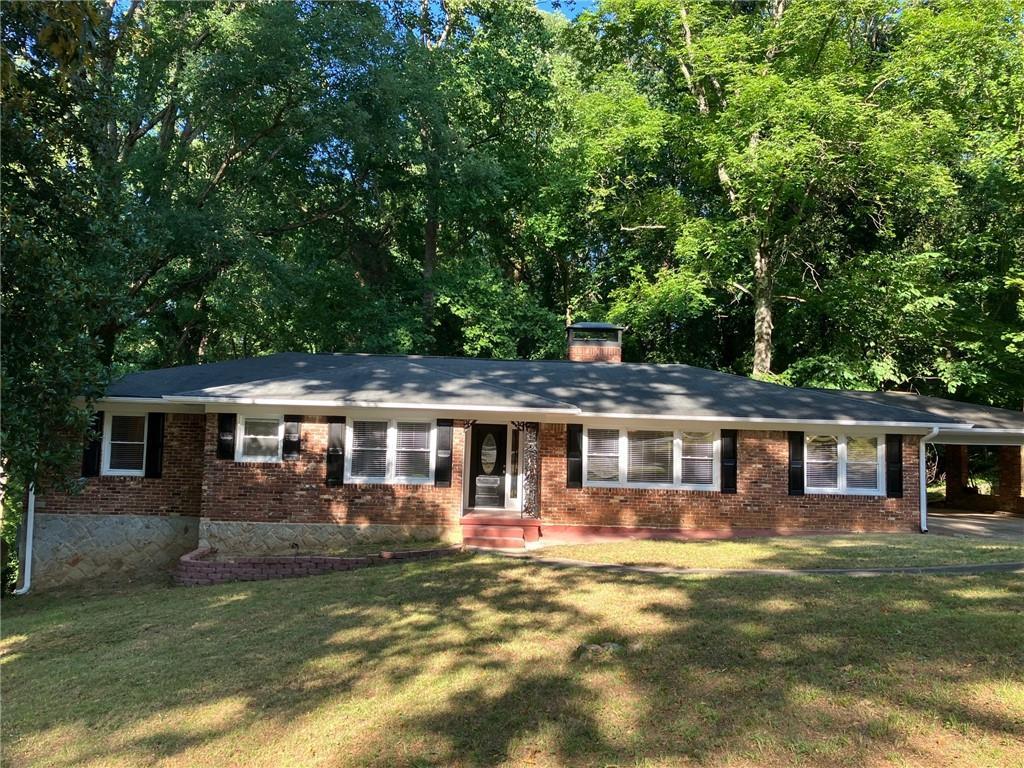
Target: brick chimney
{"x": 594, "y": 342}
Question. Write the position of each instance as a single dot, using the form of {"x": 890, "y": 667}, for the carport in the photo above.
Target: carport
{"x": 977, "y": 425}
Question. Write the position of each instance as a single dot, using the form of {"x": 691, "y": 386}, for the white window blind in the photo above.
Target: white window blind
{"x": 370, "y": 449}
{"x": 127, "y": 443}
{"x": 412, "y": 452}
{"x": 650, "y": 456}
{"x": 862, "y": 463}
{"x": 261, "y": 438}
{"x": 698, "y": 458}
{"x": 822, "y": 461}
{"x": 603, "y": 455}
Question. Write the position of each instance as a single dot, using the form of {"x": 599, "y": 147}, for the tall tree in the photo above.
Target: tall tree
{"x": 803, "y": 141}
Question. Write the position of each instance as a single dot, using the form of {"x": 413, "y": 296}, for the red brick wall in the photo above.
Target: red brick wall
{"x": 1010, "y": 486}
{"x": 295, "y": 492}
{"x": 580, "y": 351}
{"x": 762, "y": 500}
{"x": 194, "y": 481}
{"x": 177, "y": 492}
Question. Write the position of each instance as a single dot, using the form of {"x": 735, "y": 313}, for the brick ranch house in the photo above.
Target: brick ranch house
{"x": 306, "y": 452}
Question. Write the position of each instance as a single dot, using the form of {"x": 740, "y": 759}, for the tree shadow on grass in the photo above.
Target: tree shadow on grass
{"x": 472, "y": 661}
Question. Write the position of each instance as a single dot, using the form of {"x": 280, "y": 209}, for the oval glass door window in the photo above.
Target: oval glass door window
{"x": 488, "y": 454}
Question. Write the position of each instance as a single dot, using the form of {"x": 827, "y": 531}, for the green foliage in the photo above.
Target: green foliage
{"x": 186, "y": 182}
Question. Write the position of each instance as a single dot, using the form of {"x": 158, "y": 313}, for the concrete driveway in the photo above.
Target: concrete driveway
{"x": 998, "y": 525}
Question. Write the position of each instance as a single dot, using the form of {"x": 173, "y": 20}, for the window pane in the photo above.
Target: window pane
{"x": 127, "y": 455}
{"x": 862, "y": 449}
{"x": 261, "y": 428}
{"x": 127, "y": 429}
{"x": 127, "y": 442}
{"x": 413, "y": 436}
{"x": 862, "y": 476}
{"x": 260, "y": 438}
{"x": 698, "y": 471}
{"x": 698, "y": 461}
{"x": 650, "y": 457}
{"x": 370, "y": 434}
{"x": 262, "y": 447}
{"x": 862, "y": 463}
{"x": 698, "y": 445}
{"x": 369, "y": 463}
{"x": 412, "y": 464}
{"x": 513, "y": 487}
{"x": 603, "y": 455}
{"x": 822, "y": 461}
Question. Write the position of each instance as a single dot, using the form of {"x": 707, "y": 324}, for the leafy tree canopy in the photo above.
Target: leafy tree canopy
{"x": 820, "y": 193}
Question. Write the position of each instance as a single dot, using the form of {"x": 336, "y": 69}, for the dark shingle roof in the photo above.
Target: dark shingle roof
{"x": 556, "y": 385}
{"x": 981, "y": 416}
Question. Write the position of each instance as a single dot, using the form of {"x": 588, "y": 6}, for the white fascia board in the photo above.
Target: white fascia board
{"x": 409, "y": 406}
{"x": 125, "y": 404}
{"x": 979, "y": 436}
{"x": 907, "y": 427}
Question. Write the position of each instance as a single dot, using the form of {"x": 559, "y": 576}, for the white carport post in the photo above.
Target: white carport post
{"x": 923, "y": 476}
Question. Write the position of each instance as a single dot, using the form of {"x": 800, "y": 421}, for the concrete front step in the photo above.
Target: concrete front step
{"x": 494, "y": 531}
{"x": 477, "y": 525}
{"x": 494, "y": 542}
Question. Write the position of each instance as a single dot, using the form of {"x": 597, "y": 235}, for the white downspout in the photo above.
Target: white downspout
{"x": 30, "y": 525}
{"x": 923, "y": 476}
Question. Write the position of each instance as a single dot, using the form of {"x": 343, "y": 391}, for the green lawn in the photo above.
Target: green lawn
{"x": 845, "y": 551}
{"x": 471, "y": 662}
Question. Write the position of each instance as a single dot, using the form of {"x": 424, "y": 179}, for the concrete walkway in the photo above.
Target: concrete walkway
{"x": 996, "y": 525}
{"x": 558, "y": 562}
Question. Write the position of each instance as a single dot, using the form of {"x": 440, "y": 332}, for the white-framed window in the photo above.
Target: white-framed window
{"x": 259, "y": 438}
{"x": 603, "y": 456}
{"x": 697, "y": 458}
{"x": 124, "y": 445}
{"x": 847, "y": 464}
{"x": 390, "y": 451}
{"x": 651, "y": 458}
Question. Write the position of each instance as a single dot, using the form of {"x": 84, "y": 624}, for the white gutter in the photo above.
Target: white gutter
{"x": 30, "y": 520}
{"x": 923, "y": 476}
{"x": 571, "y": 411}
{"x": 364, "y": 404}
{"x": 767, "y": 421}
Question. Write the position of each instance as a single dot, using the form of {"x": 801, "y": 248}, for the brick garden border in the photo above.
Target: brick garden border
{"x": 196, "y": 569}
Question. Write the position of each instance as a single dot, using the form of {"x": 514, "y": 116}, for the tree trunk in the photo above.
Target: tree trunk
{"x": 107, "y": 335}
{"x": 763, "y": 325}
{"x": 430, "y": 231}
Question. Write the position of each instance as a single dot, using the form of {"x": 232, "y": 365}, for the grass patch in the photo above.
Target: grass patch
{"x": 845, "y": 551}
{"x": 472, "y": 662}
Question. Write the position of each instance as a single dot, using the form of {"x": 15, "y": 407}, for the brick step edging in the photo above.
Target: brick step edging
{"x": 196, "y": 569}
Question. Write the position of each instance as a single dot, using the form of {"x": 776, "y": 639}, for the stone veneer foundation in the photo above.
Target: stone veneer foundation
{"x": 71, "y": 548}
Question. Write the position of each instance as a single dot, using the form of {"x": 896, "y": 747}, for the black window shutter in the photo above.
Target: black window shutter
{"x": 226, "y": 435}
{"x": 728, "y": 461}
{"x": 335, "y": 450}
{"x": 155, "y": 445}
{"x": 894, "y": 466}
{"x": 443, "y": 457}
{"x": 796, "y": 463}
{"x": 292, "y": 438}
{"x": 574, "y": 455}
{"x": 93, "y": 446}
